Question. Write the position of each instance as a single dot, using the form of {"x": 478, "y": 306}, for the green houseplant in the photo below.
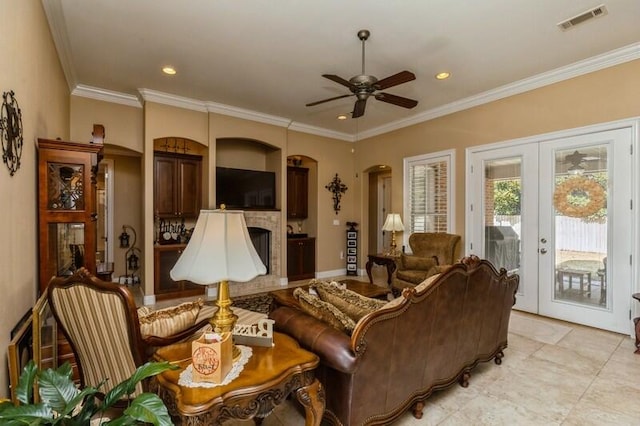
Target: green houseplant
{"x": 62, "y": 403}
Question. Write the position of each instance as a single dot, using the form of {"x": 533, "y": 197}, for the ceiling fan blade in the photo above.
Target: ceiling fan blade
{"x": 394, "y": 80}
{"x": 358, "y": 108}
{"x": 327, "y": 100}
{"x": 396, "y": 100}
{"x": 339, "y": 80}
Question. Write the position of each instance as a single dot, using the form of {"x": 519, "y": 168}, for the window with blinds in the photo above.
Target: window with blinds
{"x": 427, "y": 192}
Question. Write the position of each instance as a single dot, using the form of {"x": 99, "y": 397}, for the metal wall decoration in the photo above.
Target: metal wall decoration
{"x": 11, "y": 132}
{"x": 337, "y": 188}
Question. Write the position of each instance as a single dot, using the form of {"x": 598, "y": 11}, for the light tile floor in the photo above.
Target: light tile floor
{"x": 553, "y": 373}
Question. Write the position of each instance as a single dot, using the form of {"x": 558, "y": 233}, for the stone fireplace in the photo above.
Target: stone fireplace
{"x": 267, "y": 220}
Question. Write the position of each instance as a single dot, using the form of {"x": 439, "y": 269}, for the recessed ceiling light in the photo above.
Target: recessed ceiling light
{"x": 342, "y": 117}
{"x": 169, "y": 70}
{"x": 443, "y": 75}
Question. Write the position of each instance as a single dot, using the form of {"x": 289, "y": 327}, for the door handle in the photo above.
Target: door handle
{"x": 543, "y": 251}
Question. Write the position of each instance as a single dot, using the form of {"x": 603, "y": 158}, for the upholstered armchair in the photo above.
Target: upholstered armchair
{"x": 431, "y": 253}
{"x": 100, "y": 320}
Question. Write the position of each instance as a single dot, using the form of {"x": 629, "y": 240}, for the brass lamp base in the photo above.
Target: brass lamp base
{"x": 224, "y": 320}
{"x": 393, "y": 251}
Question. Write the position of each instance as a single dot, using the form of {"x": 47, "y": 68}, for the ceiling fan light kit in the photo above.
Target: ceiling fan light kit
{"x": 362, "y": 86}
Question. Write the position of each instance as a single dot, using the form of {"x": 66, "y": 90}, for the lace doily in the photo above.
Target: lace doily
{"x": 186, "y": 377}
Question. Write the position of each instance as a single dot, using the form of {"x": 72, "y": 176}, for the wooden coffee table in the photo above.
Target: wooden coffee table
{"x": 285, "y": 297}
{"x": 267, "y": 379}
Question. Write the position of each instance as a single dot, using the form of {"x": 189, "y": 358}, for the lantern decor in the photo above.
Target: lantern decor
{"x": 131, "y": 256}
{"x": 337, "y": 188}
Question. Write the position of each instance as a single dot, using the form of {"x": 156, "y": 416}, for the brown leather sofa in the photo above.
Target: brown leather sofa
{"x": 427, "y": 339}
{"x": 430, "y": 251}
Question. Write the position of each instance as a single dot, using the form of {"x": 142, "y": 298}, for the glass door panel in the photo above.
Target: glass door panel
{"x": 581, "y": 228}
{"x": 503, "y": 185}
{"x": 503, "y": 228}
{"x": 586, "y": 229}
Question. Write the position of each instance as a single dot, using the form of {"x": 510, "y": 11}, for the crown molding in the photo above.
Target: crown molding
{"x": 149, "y": 95}
{"x": 106, "y": 95}
{"x": 589, "y": 65}
{"x": 319, "y": 131}
{"x": 247, "y": 114}
{"x": 596, "y": 63}
{"x": 57, "y": 25}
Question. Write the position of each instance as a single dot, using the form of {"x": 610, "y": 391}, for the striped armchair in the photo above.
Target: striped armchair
{"x": 100, "y": 321}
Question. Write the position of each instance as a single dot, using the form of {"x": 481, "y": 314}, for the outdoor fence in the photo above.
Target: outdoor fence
{"x": 572, "y": 234}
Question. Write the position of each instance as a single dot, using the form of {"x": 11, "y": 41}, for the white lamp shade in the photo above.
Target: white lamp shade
{"x": 219, "y": 249}
{"x": 393, "y": 223}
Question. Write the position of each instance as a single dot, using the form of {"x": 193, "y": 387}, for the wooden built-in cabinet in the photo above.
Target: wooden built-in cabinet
{"x": 301, "y": 258}
{"x": 66, "y": 208}
{"x": 297, "y": 192}
{"x": 177, "y": 185}
{"x": 165, "y": 257}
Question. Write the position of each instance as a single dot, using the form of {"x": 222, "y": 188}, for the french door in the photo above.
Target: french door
{"x": 558, "y": 213}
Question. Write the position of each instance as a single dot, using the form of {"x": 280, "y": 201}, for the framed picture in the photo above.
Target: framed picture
{"x": 352, "y": 235}
{"x": 352, "y": 243}
{"x": 44, "y": 335}
{"x": 351, "y": 259}
{"x": 351, "y": 267}
{"x": 20, "y": 350}
{"x": 352, "y": 251}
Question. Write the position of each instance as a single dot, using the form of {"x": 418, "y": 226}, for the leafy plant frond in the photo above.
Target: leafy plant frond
{"x": 24, "y": 390}
{"x": 56, "y": 390}
{"x": 63, "y": 403}
{"x": 146, "y": 408}
{"x": 127, "y": 387}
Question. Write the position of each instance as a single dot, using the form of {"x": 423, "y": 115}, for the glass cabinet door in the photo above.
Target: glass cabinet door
{"x": 67, "y": 207}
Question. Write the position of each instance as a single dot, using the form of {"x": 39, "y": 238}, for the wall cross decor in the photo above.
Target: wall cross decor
{"x": 337, "y": 188}
{"x": 11, "y": 132}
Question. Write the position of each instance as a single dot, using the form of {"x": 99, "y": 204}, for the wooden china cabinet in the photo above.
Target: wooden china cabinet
{"x": 66, "y": 207}
{"x": 67, "y": 217}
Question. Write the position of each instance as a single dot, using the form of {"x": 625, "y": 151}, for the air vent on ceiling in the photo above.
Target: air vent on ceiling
{"x": 584, "y": 16}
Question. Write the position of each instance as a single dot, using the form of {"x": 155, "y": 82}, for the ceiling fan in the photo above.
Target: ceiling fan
{"x": 362, "y": 86}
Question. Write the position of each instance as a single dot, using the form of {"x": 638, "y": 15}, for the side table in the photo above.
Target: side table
{"x": 267, "y": 379}
{"x": 384, "y": 260}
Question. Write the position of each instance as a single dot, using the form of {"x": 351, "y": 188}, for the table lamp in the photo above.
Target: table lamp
{"x": 393, "y": 224}
{"x": 220, "y": 250}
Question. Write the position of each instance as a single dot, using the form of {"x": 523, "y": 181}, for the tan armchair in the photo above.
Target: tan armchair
{"x": 431, "y": 252}
{"x": 100, "y": 321}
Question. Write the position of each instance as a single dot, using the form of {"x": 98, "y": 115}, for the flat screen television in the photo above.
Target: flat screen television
{"x": 245, "y": 189}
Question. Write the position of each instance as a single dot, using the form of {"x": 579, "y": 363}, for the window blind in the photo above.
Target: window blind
{"x": 428, "y": 195}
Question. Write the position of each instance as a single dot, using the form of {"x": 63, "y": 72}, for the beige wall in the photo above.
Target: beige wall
{"x": 602, "y": 96}
{"x": 122, "y": 124}
{"x": 30, "y": 68}
{"x": 599, "y": 97}
{"x": 127, "y": 188}
{"x": 332, "y": 156}
{"x": 160, "y": 121}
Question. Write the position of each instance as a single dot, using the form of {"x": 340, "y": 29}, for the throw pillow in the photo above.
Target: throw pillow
{"x": 419, "y": 288}
{"x": 168, "y": 321}
{"x": 324, "y": 311}
{"x": 427, "y": 283}
{"x": 354, "y": 305}
{"x": 417, "y": 262}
